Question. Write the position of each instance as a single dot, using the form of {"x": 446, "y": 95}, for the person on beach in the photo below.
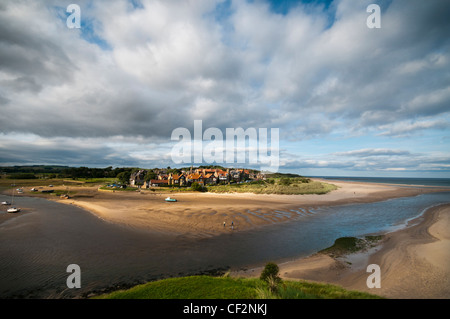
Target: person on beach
{"x": 224, "y": 224}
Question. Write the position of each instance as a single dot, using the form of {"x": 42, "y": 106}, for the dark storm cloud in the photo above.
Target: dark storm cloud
{"x": 62, "y": 152}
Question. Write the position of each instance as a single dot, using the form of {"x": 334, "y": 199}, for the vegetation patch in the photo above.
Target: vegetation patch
{"x": 208, "y": 287}
{"x": 284, "y": 185}
{"x": 347, "y": 245}
{"x": 192, "y": 287}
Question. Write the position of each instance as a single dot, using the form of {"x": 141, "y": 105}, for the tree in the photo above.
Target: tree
{"x": 150, "y": 175}
{"x": 197, "y": 187}
{"x": 124, "y": 177}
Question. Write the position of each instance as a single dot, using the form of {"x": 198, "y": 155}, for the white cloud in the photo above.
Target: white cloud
{"x": 170, "y": 62}
{"x": 373, "y": 152}
{"x": 406, "y": 128}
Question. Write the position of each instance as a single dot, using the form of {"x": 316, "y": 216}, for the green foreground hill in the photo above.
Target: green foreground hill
{"x": 208, "y": 287}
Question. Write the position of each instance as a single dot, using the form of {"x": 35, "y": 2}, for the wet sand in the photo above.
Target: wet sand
{"x": 414, "y": 262}
{"x": 204, "y": 214}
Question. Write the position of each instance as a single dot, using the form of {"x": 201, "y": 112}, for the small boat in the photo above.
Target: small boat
{"x": 6, "y": 203}
{"x": 168, "y": 199}
{"x": 12, "y": 209}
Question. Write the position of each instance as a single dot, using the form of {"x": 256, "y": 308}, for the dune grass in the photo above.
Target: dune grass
{"x": 208, "y": 287}
{"x": 296, "y": 187}
{"x": 280, "y": 186}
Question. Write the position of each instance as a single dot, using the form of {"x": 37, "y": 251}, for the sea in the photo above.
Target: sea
{"x": 406, "y": 181}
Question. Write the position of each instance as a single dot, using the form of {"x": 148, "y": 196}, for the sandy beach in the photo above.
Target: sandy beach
{"x": 204, "y": 214}
{"x": 414, "y": 262}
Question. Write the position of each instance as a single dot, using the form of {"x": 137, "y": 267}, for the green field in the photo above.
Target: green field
{"x": 208, "y": 287}
{"x": 59, "y": 185}
{"x": 7, "y": 182}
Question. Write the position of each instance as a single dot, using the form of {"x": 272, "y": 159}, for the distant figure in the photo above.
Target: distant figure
{"x": 224, "y": 224}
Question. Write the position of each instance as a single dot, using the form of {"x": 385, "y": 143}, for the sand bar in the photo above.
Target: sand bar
{"x": 204, "y": 214}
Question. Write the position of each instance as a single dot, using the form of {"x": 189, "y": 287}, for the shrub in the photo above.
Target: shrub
{"x": 285, "y": 181}
{"x": 198, "y": 188}
{"x": 22, "y": 176}
{"x": 270, "y": 276}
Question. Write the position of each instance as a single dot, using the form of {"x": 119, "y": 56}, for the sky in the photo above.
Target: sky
{"x": 348, "y": 100}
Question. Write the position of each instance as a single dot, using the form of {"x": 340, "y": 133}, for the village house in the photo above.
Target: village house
{"x": 177, "y": 179}
{"x": 209, "y": 179}
{"x": 194, "y": 178}
{"x": 202, "y": 176}
{"x": 163, "y": 177}
{"x": 235, "y": 175}
{"x": 157, "y": 183}
{"x": 222, "y": 176}
{"x": 137, "y": 178}
{"x": 240, "y": 175}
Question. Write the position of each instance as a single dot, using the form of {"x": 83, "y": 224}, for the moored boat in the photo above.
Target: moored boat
{"x": 12, "y": 209}
{"x": 168, "y": 199}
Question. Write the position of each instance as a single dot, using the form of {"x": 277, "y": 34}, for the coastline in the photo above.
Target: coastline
{"x": 203, "y": 214}
{"x": 414, "y": 262}
{"x": 193, "y": 215}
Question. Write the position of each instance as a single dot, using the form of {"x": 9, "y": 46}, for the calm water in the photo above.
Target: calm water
{"x": 36, "y": 247}
{"x": 440, "y": 182}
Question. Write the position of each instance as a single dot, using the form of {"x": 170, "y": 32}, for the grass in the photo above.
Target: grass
{"x": 59, "y": 185}
{"x": 289, "y": 186}
{"x": 192, "y": 287}
{"x": 208, "y": 287}
{"x": 286, "y": 186}
{"x": 296, "y": 187}
{"x": 348, "y": 245}
{"x": 6, "y": 183}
